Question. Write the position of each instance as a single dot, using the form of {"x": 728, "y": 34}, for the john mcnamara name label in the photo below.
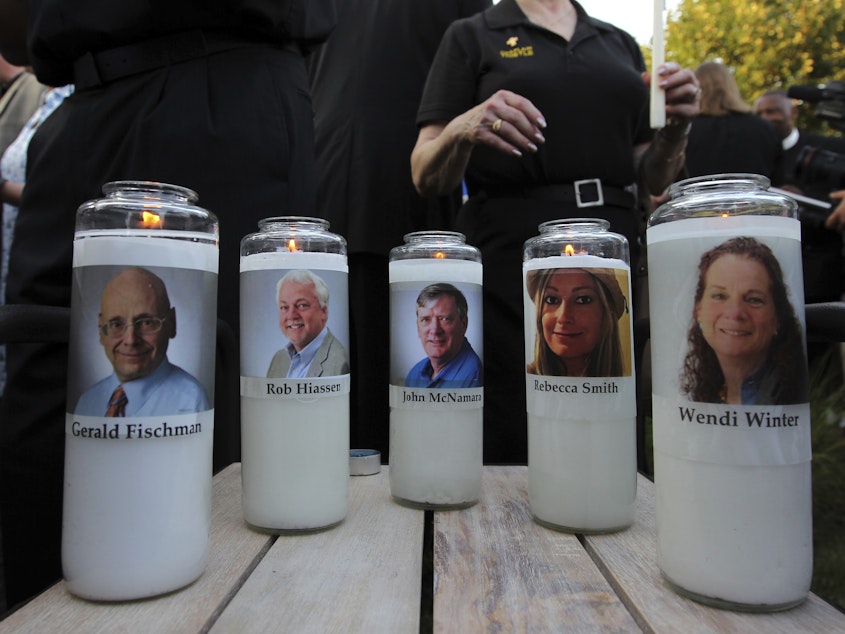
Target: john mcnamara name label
{"x": 430, "y": 398}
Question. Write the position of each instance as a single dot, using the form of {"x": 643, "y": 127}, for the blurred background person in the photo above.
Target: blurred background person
{"x": 821, "y": 247}
{"x": 726, "y": 137}
{"x": 366, "y": 83}
{"x": 20, "y": 94}
{"x": 213, "y": 97}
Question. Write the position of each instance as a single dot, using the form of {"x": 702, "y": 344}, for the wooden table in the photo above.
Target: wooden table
{"x": 494, "y": 569}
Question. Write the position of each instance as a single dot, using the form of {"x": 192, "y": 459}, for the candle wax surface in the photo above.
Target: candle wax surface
{"x": 137, "y": 514}
{"x": 436, "y": 456}
{"x": 723, "y": 533}
{"x": 295, "y": 462}
{"x": 582, "y": 474}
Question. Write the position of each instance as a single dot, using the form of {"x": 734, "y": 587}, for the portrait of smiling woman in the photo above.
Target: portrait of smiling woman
{"x": 745, "y": 343}
{"x": 577, "y": 321}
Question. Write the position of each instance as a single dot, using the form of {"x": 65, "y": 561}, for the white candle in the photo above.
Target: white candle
{"x": 734, "y": 500}
{"x": 581, "y": 430}
{"x": 137, "y": 490}
{"x": 658, "y": 57}
{"x": 294, "y": 432}
{"x": 435, "y": 445}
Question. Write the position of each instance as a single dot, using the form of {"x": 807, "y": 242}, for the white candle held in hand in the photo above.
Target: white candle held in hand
{"x": 658, "y": 57}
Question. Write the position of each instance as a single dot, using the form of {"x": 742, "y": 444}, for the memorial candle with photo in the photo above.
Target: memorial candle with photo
{"x": 436, "y": 393}
{"x": 730, "y": 404}
{"x": 294, "y": 376}
{"x": 137, "y": 485}
{"x": 580, "y": 384}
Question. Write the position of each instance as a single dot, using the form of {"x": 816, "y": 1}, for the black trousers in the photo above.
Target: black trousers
{"x": 236, "y": 127}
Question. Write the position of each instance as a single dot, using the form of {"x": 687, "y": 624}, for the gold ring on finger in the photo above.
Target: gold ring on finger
{"x": 497, "y": 125}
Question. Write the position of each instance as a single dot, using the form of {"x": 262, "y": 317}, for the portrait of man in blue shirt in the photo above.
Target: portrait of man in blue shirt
{"x": 312, "y": 350}
{"x": 442, "y": 320}
{"x": 136, "y": 324}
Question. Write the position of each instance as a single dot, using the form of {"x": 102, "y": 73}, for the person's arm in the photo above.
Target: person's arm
{"x": 506, "y": 121}
{"x": 10, "y": 193}
{"x": 836, "y": 219}
{"x": 660, "y": 161}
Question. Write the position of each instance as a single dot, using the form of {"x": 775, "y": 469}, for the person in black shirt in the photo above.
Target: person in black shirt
{"x": 543, "y": 110}
{"x": 366, "y": 83}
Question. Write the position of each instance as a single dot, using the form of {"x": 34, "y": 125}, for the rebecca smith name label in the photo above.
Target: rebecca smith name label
{"x": 587, "y": 387}
{"x": 581, "y": 398}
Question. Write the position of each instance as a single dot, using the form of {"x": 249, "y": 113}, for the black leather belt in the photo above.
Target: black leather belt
{"x": 589, "y": 192}
{"x": 97, "y": 69}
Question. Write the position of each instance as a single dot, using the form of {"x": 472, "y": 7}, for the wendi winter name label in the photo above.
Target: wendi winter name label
{"x": 731, "y": 418}
{"x": 744, "y": 435}
{"x": 138, "y": 428}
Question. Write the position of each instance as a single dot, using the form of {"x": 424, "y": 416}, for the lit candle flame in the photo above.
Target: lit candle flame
{"x": 569, "y": 250}
{"x": 150, "y": 220}
{"x": 440, "y": 255}
{"x": 291, "y": 245}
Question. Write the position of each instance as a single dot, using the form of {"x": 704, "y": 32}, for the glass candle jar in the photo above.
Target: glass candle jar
{"x": 580, "y": 387}
{"x": 294, "y": 375}
{"x": 138, "y": 449}
{"x": 729, "y": 394}
{"x": 436, "y": 393}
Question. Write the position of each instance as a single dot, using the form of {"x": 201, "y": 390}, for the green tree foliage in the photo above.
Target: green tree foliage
{"x": 768, "y": 43}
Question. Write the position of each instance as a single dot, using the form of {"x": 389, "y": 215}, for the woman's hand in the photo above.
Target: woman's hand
{"x": 506, "y": 121}
{"x": 683, "y": 93}
{"x": 836, "y": 219}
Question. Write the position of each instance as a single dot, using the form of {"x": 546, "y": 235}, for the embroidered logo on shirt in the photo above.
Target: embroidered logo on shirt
{"x": 516, "y": 51}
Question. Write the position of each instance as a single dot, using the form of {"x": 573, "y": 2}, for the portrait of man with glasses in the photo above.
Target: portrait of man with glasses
{"x": 136, "y": 323}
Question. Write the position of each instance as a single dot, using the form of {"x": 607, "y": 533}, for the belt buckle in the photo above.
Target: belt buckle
{"x": 590, "y": 203}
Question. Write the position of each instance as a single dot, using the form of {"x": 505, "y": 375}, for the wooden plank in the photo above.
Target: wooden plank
{"x": 629, "y": 559}
{"x": 361, "y": 576}
{"x": 233, "y": 552}
{"x": 497, "y": 570}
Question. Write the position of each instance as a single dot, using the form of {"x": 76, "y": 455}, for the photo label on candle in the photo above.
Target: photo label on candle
{"x": 142, "y": 340}
{"x": 294, "y": 332}
{"x": 729, "y": 373}
{"x": 578, "y": 337}
{"x": 140, "y": 422}
{"x": 436, "y": 345}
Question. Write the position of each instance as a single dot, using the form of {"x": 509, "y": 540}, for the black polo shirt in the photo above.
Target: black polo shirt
{"x": 589, "y": 89}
